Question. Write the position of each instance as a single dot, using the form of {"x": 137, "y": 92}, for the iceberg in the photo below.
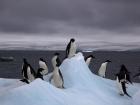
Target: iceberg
{"x": 82, "y": 87}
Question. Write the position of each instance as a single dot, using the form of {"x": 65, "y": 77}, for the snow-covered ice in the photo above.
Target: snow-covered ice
{"x": 81, "y": 88}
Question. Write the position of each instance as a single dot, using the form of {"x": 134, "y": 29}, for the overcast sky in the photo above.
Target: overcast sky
{"x": 70, "y": 16}
{"x": 113, "y": 23}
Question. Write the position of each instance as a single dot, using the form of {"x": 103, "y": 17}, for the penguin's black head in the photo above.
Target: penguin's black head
{"x": 91, "y": 56}
{"x": 40, "y": 70}
{"x": 123, "y": 68}
{"x": 107, "y": 61}
{"x": 24, "y": 60}
{"x": 57, "y": 65}
{"x": 72, "y": 40}
{"x": 42, "y": 59}
{"x": 56, "y": 54}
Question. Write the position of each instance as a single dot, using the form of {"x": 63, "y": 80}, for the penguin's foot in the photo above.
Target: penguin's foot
{"x": 62, "y": 87}
{"x": 24, "y": 80}
{"x": 121, "y": 94}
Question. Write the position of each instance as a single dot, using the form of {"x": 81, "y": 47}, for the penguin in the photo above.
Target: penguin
{"x": 39, "y": 73}
{"x": 102, "y": 69}
{"x": 56, "y": 60}
{"x": 24, "y": 71}
{"x": 121, "y": 84}
{"x": 43, "y": 65}
{"x": 57, "y": 78}
{"x": 71, "y": 48}
{"x": 126, "y": 73}
{"x": 88, "y": 59}
{"x": 28, "y": 72}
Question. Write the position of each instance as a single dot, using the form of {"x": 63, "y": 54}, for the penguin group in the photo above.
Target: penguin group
{"x": 29, "y": 74}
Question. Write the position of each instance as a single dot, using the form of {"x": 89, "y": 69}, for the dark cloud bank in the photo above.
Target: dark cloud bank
{"x": 69, "y": 16}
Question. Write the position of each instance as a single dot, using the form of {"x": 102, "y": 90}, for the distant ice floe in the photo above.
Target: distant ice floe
{"x": 58, "y": 42}
{"x": 82, "y": 87}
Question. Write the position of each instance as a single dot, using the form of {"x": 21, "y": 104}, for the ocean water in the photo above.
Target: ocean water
{"x": 13, "y": 69}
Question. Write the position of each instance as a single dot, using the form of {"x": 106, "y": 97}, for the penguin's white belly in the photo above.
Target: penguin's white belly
{"x": 30, "y": 76}
{"x": 57, "y": 80}
{"x": 119, "y": 86}
{"x": 43, "y": 65}
{"x": 54, "y": 62}
{"x": 72, "y": 51}
{"x": 102, "y": 70}
{"x": 88, "y": 61}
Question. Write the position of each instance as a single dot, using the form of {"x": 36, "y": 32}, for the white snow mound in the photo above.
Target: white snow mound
{"x": 81, "y": 88}
{"x": 136, "y": 98}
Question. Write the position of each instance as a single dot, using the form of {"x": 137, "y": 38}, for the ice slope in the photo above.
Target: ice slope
{"x": 136, "y": 98}
{"x": 82, "y": 88}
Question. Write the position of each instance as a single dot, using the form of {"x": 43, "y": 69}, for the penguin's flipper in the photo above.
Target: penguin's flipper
{"x": 124, "y": 89}
{"x": 24, "y": 80}
{"x": 61, "y": 75}
{"x": 129, "y": 79}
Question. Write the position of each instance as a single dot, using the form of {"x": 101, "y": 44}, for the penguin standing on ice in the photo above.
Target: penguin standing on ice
{"x": 57, "y": 78}
{"x": 28, "y": 72}
{"x": 88, "y": 59}
{"x": 126, "y": 73}
{"x": 24, "y": 71}
{"x": 56, "y": 60}
{"x": 43, "y": 67}
{"x": 71, "y": 48}
{"x": 102, "y": 69}
{"x": 121, "y": 83}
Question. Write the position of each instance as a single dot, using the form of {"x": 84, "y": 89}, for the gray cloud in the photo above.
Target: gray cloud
{"x": 69, "y": 16}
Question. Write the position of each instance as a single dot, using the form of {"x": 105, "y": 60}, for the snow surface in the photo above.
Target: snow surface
{"x": 136, "y": 98}
{"x": 81, "y": 88}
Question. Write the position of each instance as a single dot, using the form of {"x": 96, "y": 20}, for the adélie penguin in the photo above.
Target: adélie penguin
{"x": 88, "y": 59}
{"x": 28, "y": 72}
{"x": 121, "y": 84}
{"x": 43, "y": 66}
{"x": 102, "y": 69}
{"x": 57, "y": 78}
{"x": 71, "y": 48}
{"x": 24, "y": 71}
